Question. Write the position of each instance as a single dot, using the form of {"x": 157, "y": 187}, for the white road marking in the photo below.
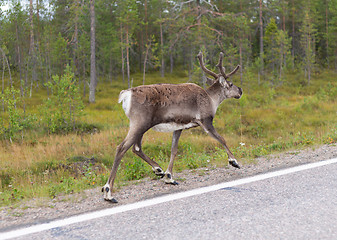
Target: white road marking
{"x": 158, "y": 200}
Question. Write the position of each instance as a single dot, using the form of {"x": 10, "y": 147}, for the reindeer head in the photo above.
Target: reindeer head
{"x": 228, "y": 89}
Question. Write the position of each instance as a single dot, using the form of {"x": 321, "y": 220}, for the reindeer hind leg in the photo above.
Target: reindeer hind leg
{"x": 121, "y": 150}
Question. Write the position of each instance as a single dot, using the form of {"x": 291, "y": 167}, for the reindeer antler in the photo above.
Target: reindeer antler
{"x": 222, "y": 69}
{"x": 234, "y": 71}
{"x": 202, "y": 65}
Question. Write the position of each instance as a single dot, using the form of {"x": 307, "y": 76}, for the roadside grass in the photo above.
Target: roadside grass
{"x": 267, "y": 119}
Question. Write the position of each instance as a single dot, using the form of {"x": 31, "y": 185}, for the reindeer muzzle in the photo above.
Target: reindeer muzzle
{"x": 239, "y": 94}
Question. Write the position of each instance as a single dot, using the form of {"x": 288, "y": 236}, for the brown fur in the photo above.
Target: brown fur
{"x": 166, "y": 103}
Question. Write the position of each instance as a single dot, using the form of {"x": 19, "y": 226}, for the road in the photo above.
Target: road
{"x": 296, "y": 203}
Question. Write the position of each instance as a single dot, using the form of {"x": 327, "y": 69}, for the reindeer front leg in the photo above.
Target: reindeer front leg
{"x": 107, "y": 188}
{"x": 174, "y": 150}
{"x": 209, "y": 128}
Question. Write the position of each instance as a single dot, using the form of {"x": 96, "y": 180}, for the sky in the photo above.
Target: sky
{"x": 4, "y": 7}
{"x": 6, "y": 4}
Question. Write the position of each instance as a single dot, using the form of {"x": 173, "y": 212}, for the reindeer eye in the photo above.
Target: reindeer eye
{"x": 230, "y": 84}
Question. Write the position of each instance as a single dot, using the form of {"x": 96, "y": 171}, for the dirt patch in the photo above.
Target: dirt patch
{"x": 79, "y": 165}
{"x": 42, "y": 210}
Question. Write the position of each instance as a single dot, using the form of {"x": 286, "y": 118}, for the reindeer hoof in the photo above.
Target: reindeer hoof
{"x": 107, "y": 194}
{"x": 158, "y": 171}
{"x": 173, "y": 182}
{"x": 112, "y": 200}
{"x": 234, "y": 163}
{"x": 170, "y": 180}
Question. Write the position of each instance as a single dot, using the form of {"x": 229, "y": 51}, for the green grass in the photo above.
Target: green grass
{"x": 265, "y": 120}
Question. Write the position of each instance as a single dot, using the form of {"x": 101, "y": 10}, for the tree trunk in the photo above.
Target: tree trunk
{"x": 241, "y": 68}
{"x": 19, "y": 58}
{"x": 5, "y": 60}
{"x": 127, "y": 55}
{"x": 284, "y": 30}
{"x": 140, "y": 49}
{"x": 261, "y": 37}
{"x": 32, "y": 44}
{"x": 3, "y": 84}
{"x": 46, "y": 69}
{"x": 84, "y": 80}
{"x": 293, "y": 37}
{"x": 110, "y": 67}
{"x": 281, "y": 62}
{"x": 309, "y": 59}
{"x": 146, "y": 38}
{"x": 283, "y": 17}
{"x": 190, "y": 64}
{"x": 145, "y": 20}
{"x": 162, "y": 68}
{"x": 171, "y": 61}
{"x": 122, "y": 50}
{"x": 37, "y": 21}
{"x": 75, "y": 55}
{"x": 93, "y": 78}
{"x": 145, "y": 60}
{"x": 327, "y": 32}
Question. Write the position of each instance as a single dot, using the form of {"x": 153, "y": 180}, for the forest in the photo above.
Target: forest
{"x": 63, "y": 64}
{"x": 104, "y": 39}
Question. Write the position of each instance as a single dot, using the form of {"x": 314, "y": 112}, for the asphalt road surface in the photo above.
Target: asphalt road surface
{"x": 296, "y": 203}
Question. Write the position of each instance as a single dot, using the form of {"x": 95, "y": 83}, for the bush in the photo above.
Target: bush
{"x": 63, "y": 108}
{"x": 135, "y": 170}
{"x": 14, "y": 120}
{"x": 66, "y": 186}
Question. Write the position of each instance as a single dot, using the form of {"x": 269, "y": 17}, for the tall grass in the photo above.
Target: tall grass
{"x": 265, "y": 120}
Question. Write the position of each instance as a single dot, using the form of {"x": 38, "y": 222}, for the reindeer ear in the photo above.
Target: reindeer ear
{"x": 209, "y": 81}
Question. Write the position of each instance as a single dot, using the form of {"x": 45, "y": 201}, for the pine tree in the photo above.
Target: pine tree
{"x": 308, "y": 32}
{"x": 277, "y": 46}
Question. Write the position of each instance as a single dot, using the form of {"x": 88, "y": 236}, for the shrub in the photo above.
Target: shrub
{"x": 135, "y": 170}
{"x": 14, "y": 120}
{"x": 64, "y": 106}
{"x": 66, "y": 186}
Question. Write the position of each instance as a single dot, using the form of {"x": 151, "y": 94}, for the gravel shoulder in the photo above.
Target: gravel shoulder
{"x": 43, "y": 210}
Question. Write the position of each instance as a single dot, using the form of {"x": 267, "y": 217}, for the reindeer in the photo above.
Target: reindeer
{"x": 172, "y": 108}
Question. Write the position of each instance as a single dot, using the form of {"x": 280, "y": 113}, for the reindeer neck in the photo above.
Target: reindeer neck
{"x": 215, "y": 92}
